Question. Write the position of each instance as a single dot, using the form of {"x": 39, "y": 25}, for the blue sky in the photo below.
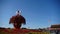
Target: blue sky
{"x": 38, "y": 13}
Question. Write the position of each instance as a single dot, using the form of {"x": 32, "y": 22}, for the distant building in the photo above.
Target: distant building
{"x": 55, "y": 29}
